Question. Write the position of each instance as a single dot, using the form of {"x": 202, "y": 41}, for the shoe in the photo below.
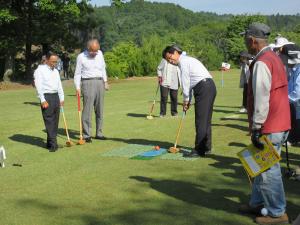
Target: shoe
{"x": 88, "y": 140}
{"x": 247, "y": 209}
{"x": 162, "y": 116}
{"x": 100, "y": 138}
{"x": 175, "y": 115}
{"x": 52, "y": 148}
{"x": 243, "y": 110}
{"x": 192, "y": 154}
{"x": 268, "y": 220}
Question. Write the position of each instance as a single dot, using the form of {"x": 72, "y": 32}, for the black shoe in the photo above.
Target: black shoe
{"x": 88, "y": 140}
{"x": 192, "y": 154}
{"x": 52, "y": 148}
{"x": 100, "y": 138}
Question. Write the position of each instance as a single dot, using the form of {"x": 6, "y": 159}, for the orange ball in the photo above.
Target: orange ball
{"x": 157, "y": 147}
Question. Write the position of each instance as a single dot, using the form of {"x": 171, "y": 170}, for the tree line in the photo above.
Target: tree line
{"x": 132, "y": 33}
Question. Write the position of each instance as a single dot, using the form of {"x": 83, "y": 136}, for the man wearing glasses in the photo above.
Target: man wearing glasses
{"x": 91, "y": 80}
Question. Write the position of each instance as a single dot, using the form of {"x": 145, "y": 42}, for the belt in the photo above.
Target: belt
{"x": 55, "y": 93}
{"x": 92, "y": 78}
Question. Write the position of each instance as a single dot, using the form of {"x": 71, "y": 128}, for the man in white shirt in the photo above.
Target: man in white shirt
{"x": 51, "y": 95}
{"x": 196, "y": 78}
{"x": 91, "y": 80}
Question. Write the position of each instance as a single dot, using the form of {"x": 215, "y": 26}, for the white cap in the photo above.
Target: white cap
{"x": 281, "y": 41}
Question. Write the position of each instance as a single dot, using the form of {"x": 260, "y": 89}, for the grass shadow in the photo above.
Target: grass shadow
{"x": 32, "y": 103}
{"x": 145, "y": 142}
{"x": 27, "y": 139}
{"x": 215, "y": 199}
{"x": 237, "y": 144}
{"x": 137, "y": 115}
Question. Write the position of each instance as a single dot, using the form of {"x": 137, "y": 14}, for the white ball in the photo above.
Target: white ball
{"x": 264, "y": 211}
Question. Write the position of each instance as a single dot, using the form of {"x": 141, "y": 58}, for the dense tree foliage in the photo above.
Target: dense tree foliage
{"x": 132, "y": 33}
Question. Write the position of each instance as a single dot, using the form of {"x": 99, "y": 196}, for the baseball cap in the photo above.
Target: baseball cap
{"x": 258, "y": 30}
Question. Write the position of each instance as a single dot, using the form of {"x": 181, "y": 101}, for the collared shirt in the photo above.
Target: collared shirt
{"x": 170, "y": 74}
{"x": 192, "y": 72}
{"x": 89, "y": 67}
{"x": 47, "y": 80}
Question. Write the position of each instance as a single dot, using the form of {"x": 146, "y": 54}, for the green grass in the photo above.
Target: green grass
{"x": 80, "y": 186}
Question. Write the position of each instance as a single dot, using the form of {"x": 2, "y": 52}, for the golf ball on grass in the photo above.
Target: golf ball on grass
{"x": 156, "y": 147}
{"x": 264, "y": 212}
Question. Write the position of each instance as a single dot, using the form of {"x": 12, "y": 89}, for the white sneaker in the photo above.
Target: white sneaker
{"x": 243, "y": 110}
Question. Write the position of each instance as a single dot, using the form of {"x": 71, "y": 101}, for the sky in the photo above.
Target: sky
{"x": 264, "y": 7}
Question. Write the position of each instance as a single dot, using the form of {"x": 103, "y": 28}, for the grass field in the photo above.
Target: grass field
{"x": 81, "y": 186}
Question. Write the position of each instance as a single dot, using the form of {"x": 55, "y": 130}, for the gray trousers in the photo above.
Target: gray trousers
{"x": 93, "y": 99}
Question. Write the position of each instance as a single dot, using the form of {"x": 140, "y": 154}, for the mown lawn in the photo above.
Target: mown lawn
{"x": 79, "y": 186}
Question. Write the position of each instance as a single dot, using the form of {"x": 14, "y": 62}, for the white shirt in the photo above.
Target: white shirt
{"x": 47, "y": 80}
{"x": 192, "y": 72}
{"x": 89, "y": 67}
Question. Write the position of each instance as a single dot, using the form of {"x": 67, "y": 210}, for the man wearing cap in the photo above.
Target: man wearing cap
{"x": 90, "y": 78}
{"x": 49, "y": 88}
{"x": 268, "y": 114}
{"x": 195, "y": 77}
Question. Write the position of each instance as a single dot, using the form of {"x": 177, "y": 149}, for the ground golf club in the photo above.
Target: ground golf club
{"x": 150, "y": 117}
{"x": 69, "y": 143}
{"x": 174, "y": 149}
{"x": 81, "y": 141}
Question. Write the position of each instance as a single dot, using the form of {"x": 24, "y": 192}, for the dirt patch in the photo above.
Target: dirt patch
{"x": 13, "y": 86}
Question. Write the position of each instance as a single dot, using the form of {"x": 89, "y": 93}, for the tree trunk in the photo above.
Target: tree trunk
{"x": 28, "y": 58}
{"x": 9, "y": 67}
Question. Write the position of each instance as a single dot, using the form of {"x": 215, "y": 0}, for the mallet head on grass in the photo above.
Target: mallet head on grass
{"x": 81, "y": 142}
{"x": 69, "y": 143}
{"x": 149, "y": 117}
{"x": 173, "y": 150}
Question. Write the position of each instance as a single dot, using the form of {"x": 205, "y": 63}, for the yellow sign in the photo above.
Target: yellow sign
{"x": 256, "y": 161}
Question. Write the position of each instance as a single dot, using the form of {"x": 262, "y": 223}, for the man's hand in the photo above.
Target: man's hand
{"x": 106, "y": 86}
{"x": 159, "y": 80}
{"x": 45, "y": 105}
{"x": 62, "y": 103}
{"x": 78, "y": 92}
{"x": 256, "y": 134}
{"x": 186, "y": 105}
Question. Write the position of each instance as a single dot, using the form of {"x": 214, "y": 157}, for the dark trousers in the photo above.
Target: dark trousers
{"x": 204, "y": 94}
{"x": 294, "y": 134}
{"x": 245, "y": 93}
{"x": 164, "y": 92}
{"x": 66, "y": 72}
{"x": 51, "y": 118}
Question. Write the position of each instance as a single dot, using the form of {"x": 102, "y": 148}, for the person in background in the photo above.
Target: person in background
{"x": 195, "y": 77}
{"x": 51, "y": 95}
{"x": 245, "y": 58}
{"x": 66, "y": 63}
{"x": 268, "y": 114}
{"x": 91, "y": 80}
{"x": 290, "y": 55}
{"x": 169, "y": 80}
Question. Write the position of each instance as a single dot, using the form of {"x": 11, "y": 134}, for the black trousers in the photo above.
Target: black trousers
{"x": 51, "y": 118}
{"x": 204, "y": 94}
{"x": 164, "y": 92}
{"x": 66, "y": 72}
{"x": 294, "y": 135}
{"x": 245, "y": 93}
